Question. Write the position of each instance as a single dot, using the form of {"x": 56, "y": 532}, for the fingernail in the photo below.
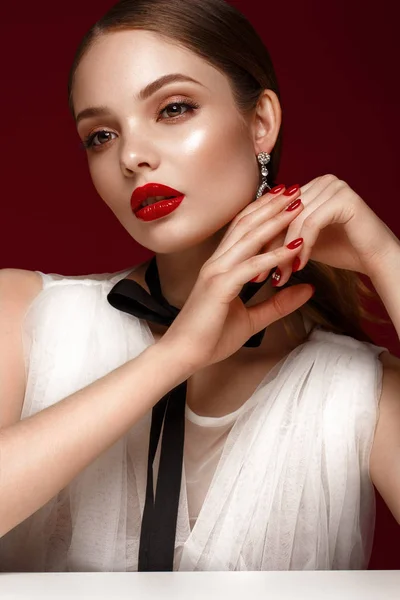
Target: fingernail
{"x": 276, "y": 277}
{"x": 296, "y": 264}
{"x": 292, "y": 190}
{"x": 295, "y": 244}
{"x": 255, "y": 279}
{"x": 293, "y": 205}
{"x": 277, "y": 189}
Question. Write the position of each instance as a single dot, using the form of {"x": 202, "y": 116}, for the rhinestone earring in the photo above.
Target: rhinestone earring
{"x": 263, "y": 158}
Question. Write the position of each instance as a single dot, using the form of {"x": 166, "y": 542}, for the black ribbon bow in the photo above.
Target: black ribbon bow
{"x": 158, "y": 529}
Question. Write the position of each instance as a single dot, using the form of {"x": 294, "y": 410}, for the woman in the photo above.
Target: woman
{"x": 280, "y": 387}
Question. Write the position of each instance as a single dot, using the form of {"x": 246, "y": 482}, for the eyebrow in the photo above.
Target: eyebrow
{"x": 144, "y": 94}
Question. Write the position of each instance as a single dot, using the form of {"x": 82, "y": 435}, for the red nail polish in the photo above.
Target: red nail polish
{"x": 254, "y": 279}
{"x": 293, "y": 205}
{"x": 295, "y": 244}
{"x": 296, "y": 264}
{"x": 277, "y": 189}
{"x": 276, "y": 277}
{"x": 291, "y": 190}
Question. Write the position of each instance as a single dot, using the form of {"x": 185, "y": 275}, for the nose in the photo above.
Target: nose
{"x": 138, "y": 156}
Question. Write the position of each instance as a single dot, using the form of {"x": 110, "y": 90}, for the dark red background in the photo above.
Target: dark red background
{"x": 337, "y": 65}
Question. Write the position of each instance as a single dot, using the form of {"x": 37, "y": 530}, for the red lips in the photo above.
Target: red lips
{"x": 151, "y": 189}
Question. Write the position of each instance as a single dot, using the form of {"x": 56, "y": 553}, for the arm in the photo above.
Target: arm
{"x": 385, "y": 277}
{"x": 65, "y": 438}
{"x": 385, "y": 454}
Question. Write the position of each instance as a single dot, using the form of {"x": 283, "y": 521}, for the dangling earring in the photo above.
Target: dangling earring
{"x": 263, "y": 158}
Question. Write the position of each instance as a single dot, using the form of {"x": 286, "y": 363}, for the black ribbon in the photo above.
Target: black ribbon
{"x": 158, "y": 530}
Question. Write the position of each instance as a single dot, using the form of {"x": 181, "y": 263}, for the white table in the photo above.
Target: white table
{"x": 250, "y": 585}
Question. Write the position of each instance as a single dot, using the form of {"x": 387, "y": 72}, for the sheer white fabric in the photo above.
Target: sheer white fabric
{"x": 287, "y": 486}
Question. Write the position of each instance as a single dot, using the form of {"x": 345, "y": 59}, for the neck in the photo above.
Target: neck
{"x": 178, "y": 273}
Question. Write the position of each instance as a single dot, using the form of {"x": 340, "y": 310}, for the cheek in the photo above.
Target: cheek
{"x": 104, "y": 181}
{"x": 225, "y": 168}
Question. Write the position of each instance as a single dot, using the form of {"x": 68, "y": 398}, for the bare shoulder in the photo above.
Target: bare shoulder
{"x": 18, "y": 289}
{"x": 390, "y": 360}
{"x": 385, "y": 454}
{"x": 26, "y": 281}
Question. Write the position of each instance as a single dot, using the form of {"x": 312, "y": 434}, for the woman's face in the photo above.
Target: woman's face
{"x": 206, "y": 152}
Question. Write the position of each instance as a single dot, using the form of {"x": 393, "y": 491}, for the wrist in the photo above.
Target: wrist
{"x": 386, "y": 265}
{"x": 173, "y": 360}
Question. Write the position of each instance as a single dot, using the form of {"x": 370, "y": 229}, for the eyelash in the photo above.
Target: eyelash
{"x": 88, "y": 144}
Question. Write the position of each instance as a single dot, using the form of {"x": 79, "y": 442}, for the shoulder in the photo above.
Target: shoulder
{"x": 385, "y": 454}
{"x": 18, "y": 289}
{"x": 390, "y": 394}
{"x": 19, "y": 285}
{"x": 389, "y": 402}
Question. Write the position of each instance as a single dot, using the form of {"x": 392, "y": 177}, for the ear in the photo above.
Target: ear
{"x": 266, "y": 123}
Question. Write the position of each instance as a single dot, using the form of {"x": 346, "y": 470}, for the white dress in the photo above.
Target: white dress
{"x": 280, "y": 484}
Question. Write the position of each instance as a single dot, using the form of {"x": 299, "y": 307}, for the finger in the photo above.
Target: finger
{"x": 291, "y": 193}
{"x": 250, "y": 208}
{"x": 275, "y": 242}
{"x": 317, "y": 186}
{"x": 280, "y": 305}
{"x": 328, "y": 213}
{"x": 255, "y": 231}
{"x": 227, "y": 283}
{"x": 304, "y": 188}
{"x": 313, "y": 194}
{"x": 258, "y": 215}
{"x": 320, "y": 193}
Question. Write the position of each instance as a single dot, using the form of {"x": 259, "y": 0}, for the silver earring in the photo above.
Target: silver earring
{"x": 263, "y": 158}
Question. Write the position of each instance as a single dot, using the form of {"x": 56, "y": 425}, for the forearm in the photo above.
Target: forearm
{"x": 40, "y": 455}
{"x": 385, "y": 277}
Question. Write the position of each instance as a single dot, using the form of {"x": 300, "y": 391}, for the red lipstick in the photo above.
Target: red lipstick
{"x": 158, "y": 209}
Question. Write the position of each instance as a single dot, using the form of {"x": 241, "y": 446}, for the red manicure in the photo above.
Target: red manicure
{"x": 277, "y": 189}
{"x": 292, "y": 190}
{"x": 295, "y": 204}
{"x": 296, "y": 264}
{"x": 276, "y": 277}
{"x": 295, "y": 244}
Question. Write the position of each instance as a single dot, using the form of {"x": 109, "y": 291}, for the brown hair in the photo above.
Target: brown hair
{"x": 221, "y": 35}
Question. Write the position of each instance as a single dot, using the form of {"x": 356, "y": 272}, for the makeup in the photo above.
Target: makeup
{"x": 158, "y": 199}
{"x": 158, "y": 209}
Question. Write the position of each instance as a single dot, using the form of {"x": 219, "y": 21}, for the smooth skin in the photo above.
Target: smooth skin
{"x": 209, "y": 154}
{"x": 218, "y": 173}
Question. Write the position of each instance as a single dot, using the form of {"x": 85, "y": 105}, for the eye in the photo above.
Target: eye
{"x": 88, "y": 142}
{"x": 176, "y": 106}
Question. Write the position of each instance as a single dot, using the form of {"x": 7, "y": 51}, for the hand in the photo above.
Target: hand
{"x": 338, "y": 229}
{"x": 214, "y": 323}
